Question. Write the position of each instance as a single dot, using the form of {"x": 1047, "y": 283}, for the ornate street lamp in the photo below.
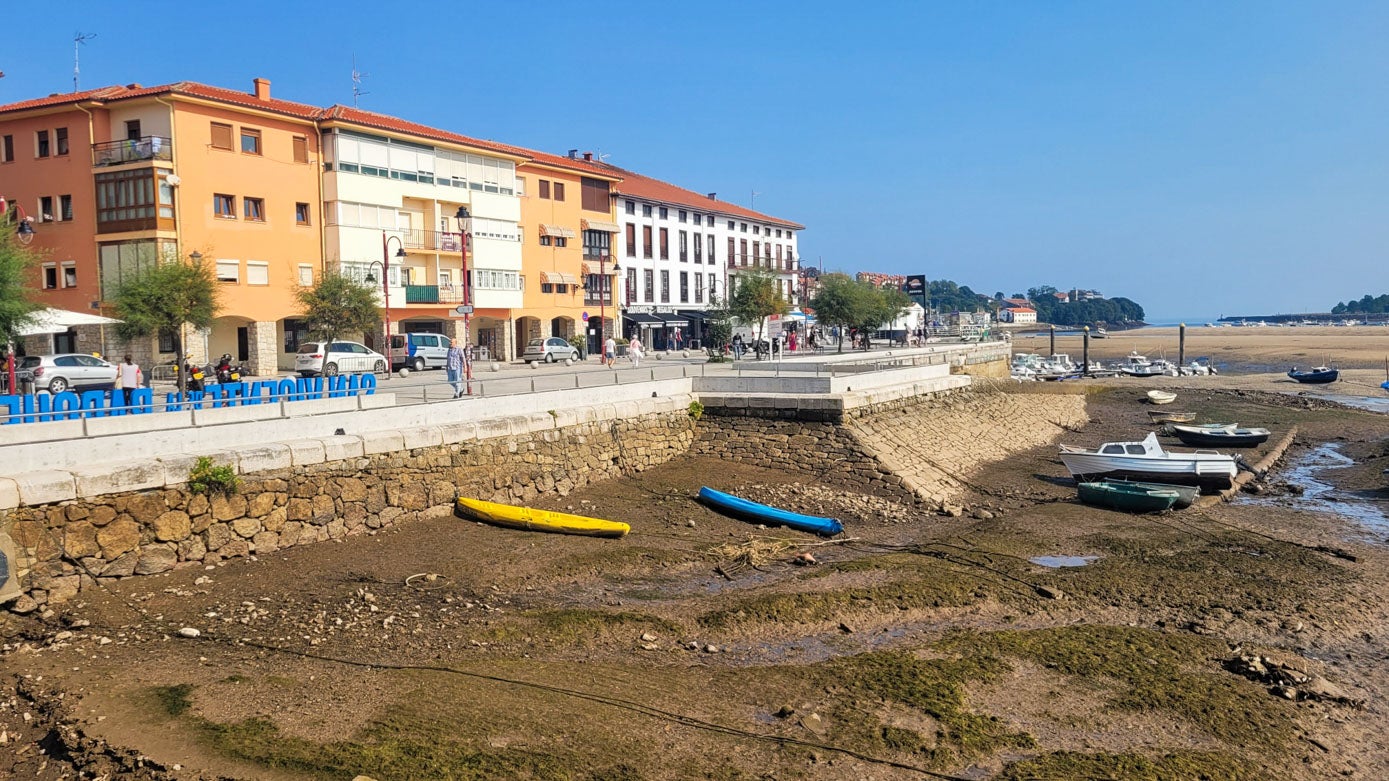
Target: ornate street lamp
{"x": 386, "y": 286}
{"x": 465, "y": 228}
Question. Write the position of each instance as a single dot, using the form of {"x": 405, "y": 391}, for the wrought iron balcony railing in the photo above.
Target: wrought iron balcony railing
{"x": 132, "y": 150}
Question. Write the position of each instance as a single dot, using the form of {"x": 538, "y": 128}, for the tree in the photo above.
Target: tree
{"x": 756, "y": 298}
{"x": 837, "y": 302}
{"x": 164, "y": 297}
{"x": 879, "y": 306}
{"x": 337, "y": 305}
{"x": 17, "y": 305}
{"x": 719, "y": 328}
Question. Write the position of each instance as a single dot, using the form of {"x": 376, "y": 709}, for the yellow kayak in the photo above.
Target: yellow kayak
{"x": 531, "y": 519}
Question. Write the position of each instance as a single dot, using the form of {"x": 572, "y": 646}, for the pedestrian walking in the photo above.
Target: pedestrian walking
{"x": 454, "y": 364}
{"x": 129, "y": 376}
{"x": 634, "y": 351}
{"x": 791, "y": 341}
{"x": 737, "y": 346}
{"x": 610, "y": 352}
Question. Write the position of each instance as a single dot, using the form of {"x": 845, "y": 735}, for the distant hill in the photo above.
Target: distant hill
{"x": 1368, "y": 305}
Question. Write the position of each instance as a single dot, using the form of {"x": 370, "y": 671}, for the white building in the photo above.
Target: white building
{"x": 1017, "y": 314}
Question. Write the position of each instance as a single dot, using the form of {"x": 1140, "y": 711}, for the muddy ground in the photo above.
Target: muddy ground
{"x": 917, "y": 645}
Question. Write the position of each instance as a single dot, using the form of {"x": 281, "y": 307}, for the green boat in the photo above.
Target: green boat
{"x": 1186, "y": 494}
{"x": 1127, "y": 497}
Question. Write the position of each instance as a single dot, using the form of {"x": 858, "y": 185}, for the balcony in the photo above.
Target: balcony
{"x": 433, "y": 241}
{"x": 132, "y": 150}
{"x": 434, "y": 294}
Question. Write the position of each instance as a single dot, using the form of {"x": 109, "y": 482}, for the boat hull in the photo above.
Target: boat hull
{"x": 1126, "y": 497}
{"x": 530, "y": 519}
{"x": 761, "y": 513}
{"x": 1315, "y": 378}
{"x": 1161, "y": 397}
{"x": 1186, "y": 494}
{"x": 1206, "y": 482}
{"x": 1092, "y": 467}
{"x": 1212, "y": 439}
{"x": 1171, "y": 417}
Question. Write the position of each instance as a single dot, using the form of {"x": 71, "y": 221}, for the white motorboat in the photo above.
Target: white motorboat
{"x": 1136, "y": 365}
{"x": 1147, "y": 460}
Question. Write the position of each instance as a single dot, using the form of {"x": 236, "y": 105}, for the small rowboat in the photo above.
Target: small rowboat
{"x": 761, "y": 513}
{"x": 1321, "y": 375}
{"x": 1186, "y": 494}
{"x": 1161, "y": 397}
{"x": 530, "y": 519}
{"x": 1161, "y": 416}
{"x": 1219, "y": 436}
{"x": 1128, "y": 497}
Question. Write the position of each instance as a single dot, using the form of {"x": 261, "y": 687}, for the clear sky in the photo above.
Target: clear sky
{"x": 1201, "y": 158}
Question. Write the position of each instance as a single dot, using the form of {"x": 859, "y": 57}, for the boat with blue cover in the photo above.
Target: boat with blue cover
{"x": 761, "y": 513}
{"x": 1320, "y": 375}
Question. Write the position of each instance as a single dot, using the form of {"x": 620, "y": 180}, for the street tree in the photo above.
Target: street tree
{"x": 756, "y": 298}
{"x": 336, "y": 305}
{"x": 719, "y": 327}
{"x": 879, "y": 306}
{"x": 163, "y": 297}
{"x": 17, "y": 306}
{"x": 837, "y": 302}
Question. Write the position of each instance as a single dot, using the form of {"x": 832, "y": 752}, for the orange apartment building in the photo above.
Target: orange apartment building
{"x": 120, "y": 177}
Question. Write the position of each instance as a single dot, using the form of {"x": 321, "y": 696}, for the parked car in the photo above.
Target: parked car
{"x": 555, "y": 348}
{"x": 337, "y": 358}
{"x": 57, "y": 373}
{"x": 419, "y": 351}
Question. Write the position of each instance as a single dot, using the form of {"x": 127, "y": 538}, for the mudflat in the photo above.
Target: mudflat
{"x": 1235, "y": 641}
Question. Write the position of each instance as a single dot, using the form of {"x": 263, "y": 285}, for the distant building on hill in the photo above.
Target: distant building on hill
{"x": 1017, "y": 314}
{"x": 881, "y": 280}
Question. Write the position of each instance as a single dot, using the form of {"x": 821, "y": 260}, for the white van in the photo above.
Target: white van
{"x": 419, "y": 351}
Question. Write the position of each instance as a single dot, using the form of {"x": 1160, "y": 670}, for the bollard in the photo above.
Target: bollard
{"x": 532, "y": 385}
{"x": 653, "y": 375}
{"x": 1181, "y": 346}
{"x": 576, "y": 380}
{"x": 1053, "y": 340}
{"x": 1085, "y": 351}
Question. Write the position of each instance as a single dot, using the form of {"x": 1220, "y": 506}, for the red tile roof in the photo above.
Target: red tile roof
{"x": 638, "y": 186}
{"x": 190, "y": 88}
{"x": 372, "y": 119}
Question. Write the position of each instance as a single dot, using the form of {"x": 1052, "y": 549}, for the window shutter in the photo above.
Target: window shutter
{"x": 221, "y": 136}
{"x": 301, "y": 149}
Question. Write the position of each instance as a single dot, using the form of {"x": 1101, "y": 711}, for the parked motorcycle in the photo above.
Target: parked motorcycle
{"x": 194, "y": 374}
{"x": 227, "y": 371}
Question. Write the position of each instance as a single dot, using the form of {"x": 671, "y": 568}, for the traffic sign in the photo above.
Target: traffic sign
{"x": 464, "y": 309}
{"x": 585, "y": 316}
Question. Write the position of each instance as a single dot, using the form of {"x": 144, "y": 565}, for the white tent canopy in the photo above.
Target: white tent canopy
{"x": 56, "y": 321}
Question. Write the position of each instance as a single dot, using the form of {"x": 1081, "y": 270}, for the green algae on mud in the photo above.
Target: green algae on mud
{"x": 1072, "y": 765}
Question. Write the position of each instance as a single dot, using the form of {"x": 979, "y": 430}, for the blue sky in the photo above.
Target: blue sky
{"x": 1200, "y": 158}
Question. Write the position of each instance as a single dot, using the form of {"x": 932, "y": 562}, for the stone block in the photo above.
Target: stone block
{"x": 118, "y": 537}
{"x": 156, "y": 559}
{"x": 118, "y": 477}
{"x": 9, "y": 494}
{"x": 421, "y": 437}
{"x": 341, "y": 448}
{"x": 264, "y": 458}
{"x": 454, "y": 433}
{"x": 172, "y": 526}
{"x": 176, "y": 467}
{"x": 382, "y": 442}
{"x": 45, "y": 487}
{"x": 307, "y": 451}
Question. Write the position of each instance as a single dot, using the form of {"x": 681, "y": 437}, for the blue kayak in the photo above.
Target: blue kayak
{"x": 761, "y": 513}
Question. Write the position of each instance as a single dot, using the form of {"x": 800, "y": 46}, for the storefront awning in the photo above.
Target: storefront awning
{"x": 555, "y": 230}
{"x": 56, "y": 321}
{"x": 598, "y": 225}
{"x": 558, "y": 278}
{"x": 695, "y": 314}
{"x": 641, "y": 318}
{"x": 674, "y": 320}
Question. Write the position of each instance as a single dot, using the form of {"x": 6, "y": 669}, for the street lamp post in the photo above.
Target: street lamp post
{"x": 604, "y": 290}
{"x": 465, "y": 222}
{"x": 386, "y": 287}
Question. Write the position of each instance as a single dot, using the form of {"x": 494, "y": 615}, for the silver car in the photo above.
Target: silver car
{"x": 549, "y": 350}
{"x": 337, "y": 358}
{"x": 57, "y": 373}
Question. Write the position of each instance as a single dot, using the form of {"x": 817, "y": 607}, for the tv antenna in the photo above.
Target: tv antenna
{"x": 754, "y": 199}
{"x": 357, "y": 77}
{"x": 78, "y": 39}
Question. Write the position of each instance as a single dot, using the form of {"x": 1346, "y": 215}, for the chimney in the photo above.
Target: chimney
{"x": 573, "y": 154}
{"x": 588, "y": 156}
{"x": 713, "y": 196}
{"x": 262, "y": 89}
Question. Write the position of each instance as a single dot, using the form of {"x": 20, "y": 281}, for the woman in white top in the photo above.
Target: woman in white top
{"x": 128, "y": 375}
{"x": 634, "y": 351}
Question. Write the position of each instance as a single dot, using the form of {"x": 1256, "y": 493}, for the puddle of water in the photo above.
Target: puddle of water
{"x": 1321, "y": 496}
{"x": 1371, "y": 403}
{"x": 1056, "y": 562}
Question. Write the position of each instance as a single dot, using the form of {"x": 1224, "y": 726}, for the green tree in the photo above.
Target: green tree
{"x": 837, "y": 303}
{"x": 164, "y": 297}
{"x": 756, "y": 298}
{"x": 719, "y": 327}
{"x": 17, "y": 305}
{"x": 337, "y": 305}
{"x": 879, "y": 306}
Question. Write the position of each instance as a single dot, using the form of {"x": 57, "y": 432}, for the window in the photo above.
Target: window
{"x": 631, "y": 284}
{"x": 743, "y": 227}
{"x": 631, "y": 239}
{"x": 301, "y": 149}
{"x": 305, "y": 274}
{"x": 132, "y": 129}
{"x": 69, "y": 273}
{"x": 597, "y": 244}
{"x": 229, "y": 271}
{"x": 730, "y": 224}
{"x": 778, "y": 256}
{"x": 546, "y": 287}
{"x": 41, "y": 144}
{"x": 631, "y": 205}
{"x": 221, "y": 136}
{"x": 545, "y": 241}
{"x": 665, "y": 213}
{"x": 711, "y": 247}
{"x": 732, "y": 253}
{"x": 250, "y": 141}
{"x": 756, "y": 230}
{"x": 257, "y": 272}
{"x": 684, "y": 215}
{"x": 742, "y": 252}
{"x": 778, "y": 233}
{"x": 301, "y": 214}
{"x": 224, "y": 206}
{"x": 594, "y": 195}
{"x": 649, "y": 285}
{"x": 7, "y": 150}
{"x": 709, "y": 220}
{"x": 60, "y": 136}
{"x": 698, "y": 254}
{"x": 166, "y": 340}
{"x": 665, "y": 287}
{"x": 46, "y": 209}
{"x": 126, "y": 197}
{"x": 646, "y": 210}
{"x": 684, "y": 248}
{"x": 756, "y": 251}
{"x": 646, "y": 241}
{"x": 65, "y": 207}
{"x": 699, "y": 288}
{"x": 559, "y": 191}
{"x": 50, "y": 276}
{"x": 544, "y": 191}
{"x": 254, "y": 209}
{"x": 684, "y": 287}
{"x": 665, "y": 243}
{"x": 121, "y": 260}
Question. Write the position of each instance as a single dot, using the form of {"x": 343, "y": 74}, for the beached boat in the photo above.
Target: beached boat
{"x": 1136, "y": 365}
{"x": 761, "y": 513}
{"x": 1161, "y": 397}
{"x": 531, "y": 519}
{"x": 1385, "y": 385}
{"x": 1147, "y": 460}
{"x": 1128, "y": 497}
{"x": 1100, "y": 333}
{"x": 1186, "y": 494}
{"x": 1162, "y": 416}
{"x": 1219, "y": 436}
{"x": 1317, "y": 376}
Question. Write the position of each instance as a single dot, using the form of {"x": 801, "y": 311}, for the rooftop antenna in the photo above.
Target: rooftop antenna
{"x": 754, "y": 199}
{"x": 78, "y": 39}
{"x": 357, "y": 77}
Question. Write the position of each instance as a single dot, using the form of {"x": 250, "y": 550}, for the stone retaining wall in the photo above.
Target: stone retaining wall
{"x": 64, "y": 547}
{"x": 924, "y": 446}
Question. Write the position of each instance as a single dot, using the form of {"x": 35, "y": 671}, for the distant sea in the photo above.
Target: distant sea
{"x": 1172, "y": 321}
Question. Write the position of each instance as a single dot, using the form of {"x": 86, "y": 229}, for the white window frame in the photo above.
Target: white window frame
{"x": 257, "y": 265}
{"x": 67, "y": 265}
{"x": 223, "y": 264}
{"x": 306, "y": 274}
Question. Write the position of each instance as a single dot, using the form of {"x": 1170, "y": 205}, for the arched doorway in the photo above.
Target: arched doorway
{"x": 562, "y": 327}
{"x": 527, "y": 328}
{"x": 594, "y": 329}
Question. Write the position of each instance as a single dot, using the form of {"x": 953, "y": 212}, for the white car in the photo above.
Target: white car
{"x": 331, "y": 359}
{"x": 549, "y": 350}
